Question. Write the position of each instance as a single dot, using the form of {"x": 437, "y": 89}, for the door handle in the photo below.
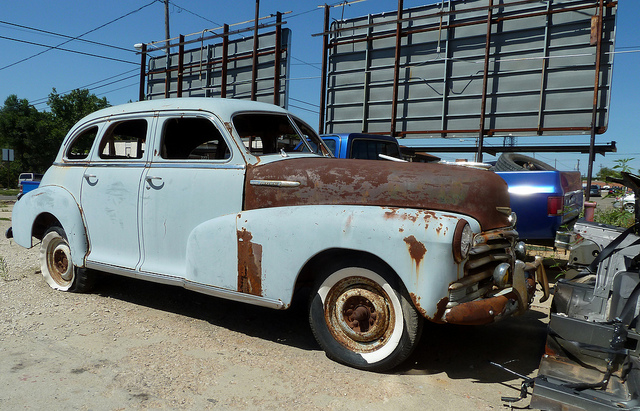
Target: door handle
{"x": 92, "y": 179}
{"x": 154, "y": 181}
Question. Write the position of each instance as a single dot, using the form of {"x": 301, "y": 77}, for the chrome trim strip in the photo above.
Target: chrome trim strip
{"x": 274, "y": 183}
{"x": 189, "y": 285}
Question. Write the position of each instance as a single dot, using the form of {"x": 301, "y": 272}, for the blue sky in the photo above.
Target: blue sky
{"x": 115, "y": 77}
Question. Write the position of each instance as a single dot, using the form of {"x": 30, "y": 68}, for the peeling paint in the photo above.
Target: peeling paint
{"x": 417, "y": 250}
{"x": 330, "y": 181}
{"x": 249, "y": 264}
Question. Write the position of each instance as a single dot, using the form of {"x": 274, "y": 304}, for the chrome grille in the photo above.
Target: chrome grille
{"x": 489, "y": 249}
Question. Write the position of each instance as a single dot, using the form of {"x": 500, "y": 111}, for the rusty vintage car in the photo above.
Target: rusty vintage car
{"x": 242, "y": 200}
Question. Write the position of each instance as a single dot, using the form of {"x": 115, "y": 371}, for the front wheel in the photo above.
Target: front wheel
{"x": 361, "y": 317}
{"x": 630, "y": 207}
{"x": 57, "y": 266}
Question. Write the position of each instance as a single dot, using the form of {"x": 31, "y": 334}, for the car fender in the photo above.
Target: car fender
{"x": 61, "y": 204}
{"x": 267, "y": 248}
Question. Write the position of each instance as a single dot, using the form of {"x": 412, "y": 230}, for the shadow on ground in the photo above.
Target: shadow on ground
{"x": 458, "y": 351}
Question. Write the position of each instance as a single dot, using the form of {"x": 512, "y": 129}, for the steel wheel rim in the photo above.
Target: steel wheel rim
{"x": 59, "y": 262}
{"x": 359, "y": 314}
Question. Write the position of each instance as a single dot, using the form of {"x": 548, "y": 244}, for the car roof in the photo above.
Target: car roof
{"x": 224, "y": 107}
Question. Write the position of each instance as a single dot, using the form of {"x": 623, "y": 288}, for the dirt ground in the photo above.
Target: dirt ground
{"x": 132, "y": 344}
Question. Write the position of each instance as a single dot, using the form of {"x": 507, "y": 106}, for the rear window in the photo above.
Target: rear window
{"x": 369, "y": 149}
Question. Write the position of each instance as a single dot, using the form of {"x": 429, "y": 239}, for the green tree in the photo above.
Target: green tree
{"x": 605, "y": 172}
{"x": 36, "y": 136}
{"x": 25, "y": 130}
{"x": 69, "y": 108}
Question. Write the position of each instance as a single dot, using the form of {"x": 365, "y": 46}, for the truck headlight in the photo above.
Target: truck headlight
{"x": 462, "y": 240}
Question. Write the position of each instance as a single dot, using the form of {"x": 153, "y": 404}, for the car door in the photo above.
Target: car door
{"x": 193, "y": 177}
{"x": 110, "y": 194}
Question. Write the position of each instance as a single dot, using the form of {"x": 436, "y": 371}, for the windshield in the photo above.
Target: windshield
{"x": 271, "y": 133}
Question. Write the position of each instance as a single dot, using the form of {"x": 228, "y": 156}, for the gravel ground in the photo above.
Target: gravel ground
{"x": 132, "y": 344}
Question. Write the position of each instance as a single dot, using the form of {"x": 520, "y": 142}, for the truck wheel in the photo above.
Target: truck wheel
{"x": 361, "y": 317}
{"x": 57, "y": 266}
{"x": 520, "y": 162}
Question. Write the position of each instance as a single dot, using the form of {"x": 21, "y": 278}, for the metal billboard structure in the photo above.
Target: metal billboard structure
{"x": 254, "y": 67}
{"x": 472, "y": 68}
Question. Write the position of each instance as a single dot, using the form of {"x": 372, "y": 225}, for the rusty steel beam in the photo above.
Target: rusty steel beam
{"x": 598, "y": 37}
{"x": 581, "y": 149}
{"x": 180, "y": 65}
{"x": 254, "y": 65}
{"x": 143, "y": 74}
{"x": 485, "y": 74}
{"x": 396, "y": 69}
{"x": 276, "y": 64}
{"x": 225, "y": 58}
{"x": 325, "y": 53}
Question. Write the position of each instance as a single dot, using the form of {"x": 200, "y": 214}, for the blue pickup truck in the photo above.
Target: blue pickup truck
{"x": 543, "y": 198}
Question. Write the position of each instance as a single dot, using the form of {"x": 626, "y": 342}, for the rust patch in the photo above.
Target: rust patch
{"x": 416, "y": 303}
{"x": 479, "y": 312}
{"x": 417, "y": 250}
{"x": 249, "y": 264}
{"x": 440, "y": 308}
{"x": 330, "y": 181}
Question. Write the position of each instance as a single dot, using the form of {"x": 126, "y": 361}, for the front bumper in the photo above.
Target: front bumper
{"x": 513, "y": 300}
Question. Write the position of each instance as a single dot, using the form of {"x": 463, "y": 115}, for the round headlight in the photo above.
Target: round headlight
{"x": 513, "y": 219}
{"x": 462, "y": 240}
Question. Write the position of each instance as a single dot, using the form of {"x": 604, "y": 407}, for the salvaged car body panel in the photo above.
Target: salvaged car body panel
{"x": 242, "y": 200}
{"x": 592, "y": 355}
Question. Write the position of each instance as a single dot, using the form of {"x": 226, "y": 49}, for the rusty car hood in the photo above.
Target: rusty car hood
{"x": 330, "y": 181}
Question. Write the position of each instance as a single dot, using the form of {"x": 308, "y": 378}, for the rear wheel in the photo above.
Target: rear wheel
{"x": 57, "y": 266}
{"x": 630, "y": 207}
{"x": 361, "y": 317}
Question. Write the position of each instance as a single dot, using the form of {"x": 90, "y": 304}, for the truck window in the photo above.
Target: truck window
{"x": 369, "y": 149}
{"x": 124, "y": 140}
{"x": 192, "y": 139}
{"x": 81, "y": 145}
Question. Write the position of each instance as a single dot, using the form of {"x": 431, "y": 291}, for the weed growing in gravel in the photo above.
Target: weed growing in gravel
{"x": 4, "y": 269}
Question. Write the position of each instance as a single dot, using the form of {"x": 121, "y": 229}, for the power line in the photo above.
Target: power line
{"x": 89, "y": 86}
{"x": 61, "y": 49}
{"x": 75, "y": 38}
{"x": 191, "y": 12}
{"x": 65, "y": 36}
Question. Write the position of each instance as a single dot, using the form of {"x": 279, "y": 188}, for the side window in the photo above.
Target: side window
{"x": 369, "y": 149}
{"x": 81, "y": 145}
{"x": 192, "y": 139}
{"x": 267, "y": 133}
{"x": 124, "y": 140}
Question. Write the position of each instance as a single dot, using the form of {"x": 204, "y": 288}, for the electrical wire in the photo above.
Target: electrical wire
{"x": 57, "y": 47}
{"x": 190, "y": 12}
{"x": 89, "y": 86}
{"x": 64, "y": 36}
{"x": 61, "y": 49}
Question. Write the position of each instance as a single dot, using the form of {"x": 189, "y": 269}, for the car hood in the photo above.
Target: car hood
{"x": 329, "y": 181}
